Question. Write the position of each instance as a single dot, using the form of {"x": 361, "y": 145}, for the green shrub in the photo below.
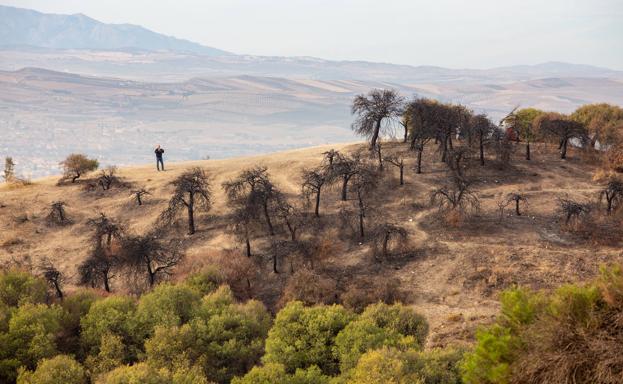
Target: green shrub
{"x": 111, "y": 355}
{"x": 75, "y": 307}
{"x": 399, "y": 318}
{"x": 363, "y": 335}
{"x": 567, "y": 336}
{"x": 206, "y": 281}
{"x": 111, "y": 316}
{"x": 167, "y": 305}
{"x": 390, "y": 365}
{"x": 274, "y": 373}
{"x": 383, "y": 366}
{"x": 224, "y": 339}
{"x": 145, "y": 374}
{"x": 302, "y": 337}
{"x": 378, "y": 326}
{"x": 32, "y": 336}
{"x": 60, "y": 369}
{"x": 18, "y": 287}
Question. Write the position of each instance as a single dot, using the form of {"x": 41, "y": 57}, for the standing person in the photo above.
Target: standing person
{"x": 159, "y": 151}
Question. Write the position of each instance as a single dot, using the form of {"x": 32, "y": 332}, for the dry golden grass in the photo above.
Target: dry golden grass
{"x": 446, "y": 269}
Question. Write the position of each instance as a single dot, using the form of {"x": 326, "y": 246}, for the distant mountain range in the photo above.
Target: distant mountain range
{"x": 24, "y": 27}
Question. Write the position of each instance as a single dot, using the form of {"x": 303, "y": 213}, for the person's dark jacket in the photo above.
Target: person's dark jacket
{"x": 159, "y": 152}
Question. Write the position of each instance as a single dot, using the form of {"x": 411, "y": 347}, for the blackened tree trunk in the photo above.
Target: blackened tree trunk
{"x": 527, "y": 150}
{"x": 517, "y": 207}
{"x": 345, "y": 180}
{"x": 385, "y": 242}
{"x": 404, "y": 140}
{"x": 106, "y": 282}
{"x": 59, "y": 291}
{"x": 151, "y": 273}
{"x": 482, "y": 150}
{"x": 138, "y": 199}
{"x": 76, "y": 177}
{"x": 375, "y": 134}
{"x": 271, "y": 230}
{"x": 563, "y": 151}
{"x": 402, "y": 173}
{"x": 291, "y": 229}
{"x": 419, "y": 160}
{"x": 248, "y": 244}
{"x": 317, "y": 210}
{"x": 275, "y": 263}
{"x": 361, "y": 214}
{"x": 191, "y": 213}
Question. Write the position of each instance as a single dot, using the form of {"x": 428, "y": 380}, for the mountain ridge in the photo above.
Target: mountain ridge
{"x": 21, "y": 26}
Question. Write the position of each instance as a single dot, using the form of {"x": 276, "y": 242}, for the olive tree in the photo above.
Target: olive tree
{"x": 562, "y": 128}
{"x": 422, "y": 125}
{"x": 613, "y": 192}
{"x": 76, "y": 165}
{"x": 192, "y": 191}
{"x": 254, "y": 191}
{"x": 313, "y": 181}
{"x": 378, "y": 107}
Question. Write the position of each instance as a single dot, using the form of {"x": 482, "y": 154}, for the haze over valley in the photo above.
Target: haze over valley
{"x": 75, "y": 82}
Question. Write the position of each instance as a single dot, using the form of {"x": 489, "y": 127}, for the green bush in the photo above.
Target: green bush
{"x": 305, "y": 336}
{"x": 111, "y": 316}
{"x": 18, "y": 287}
{"x": 75, "y": 306}
{"x": 274, "y": 373}
{"x": 111, "y": 355}
{"x": 383, "y": 366}
{"x": 224, "y": 338}
{"x": 380, "y": 325}
{"x": 390, "y": 365}
{"x": 60, "y": 369}
{"x": 145, "y": 374}
{"x": 206, "y": 281}
{"x": 567, "y": 336}
{"x": 399, "y": 318}
{"x": 31, "y": 336}
{"x": 167, "y": 305}
{"x": 361, "y": 336}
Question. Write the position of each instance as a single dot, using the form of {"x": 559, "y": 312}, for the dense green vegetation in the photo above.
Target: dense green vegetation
{"x": 196, "y": 332}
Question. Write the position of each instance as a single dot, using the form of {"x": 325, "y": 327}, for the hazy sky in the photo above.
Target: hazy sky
{"x": 450, "y": 33}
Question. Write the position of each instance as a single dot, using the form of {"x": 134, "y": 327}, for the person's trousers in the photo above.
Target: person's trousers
{"x": 159, "y": 163}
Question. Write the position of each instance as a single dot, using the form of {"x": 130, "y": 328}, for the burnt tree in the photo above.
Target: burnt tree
{"x": 516, "y": 199}
{"x": 53, "y": 276}
{"x": 613, "y": 193}
{"x": 313, "y": 181}
{"x": 384, "y": 234}
{"x": 364, "y": 183}
{"x": 343, "y": 170}
{"x": 482, "y": 128}
{"x": 98, "y": 268}
{"x": 192, "y": 191}
{"x": 106, "y": 228}
{"x": 149, "y": 254}
{"x": 375, "y": 111}
{"x": 572, "y": 209}
{"x": 456, "y": 195}
{"x": 138, "y": 195}
{"x": 399, "y": 162}
{"x": 422, "y": 125}
{"x": 254, "y": 190}
{"x": 57, "y": 213}
{"x": 107, "y": 177}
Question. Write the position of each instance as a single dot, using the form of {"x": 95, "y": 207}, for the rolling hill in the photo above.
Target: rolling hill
{"x": 450, "y": 274}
